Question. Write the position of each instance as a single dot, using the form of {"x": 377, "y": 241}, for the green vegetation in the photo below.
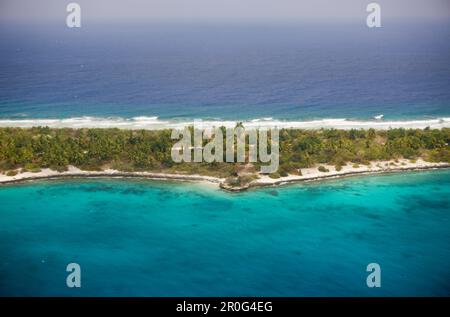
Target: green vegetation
{"x": 239, "y": 180}
{"x": 323, "y": 169}
{"x": 30, "y": 167}
{"x": 144, "y": 150}
{"x": 11, "y": 173}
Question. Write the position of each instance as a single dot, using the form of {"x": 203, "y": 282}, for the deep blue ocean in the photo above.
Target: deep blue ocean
{"x": 138, "y": 237}
{"x": 295, "y": 71}
{"x": 170, "y": 239}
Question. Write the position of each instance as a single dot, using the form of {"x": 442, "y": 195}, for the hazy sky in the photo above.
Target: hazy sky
{"x": 195, "y": 10}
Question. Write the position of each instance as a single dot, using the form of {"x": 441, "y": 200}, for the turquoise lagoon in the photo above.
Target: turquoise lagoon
{"x": 149, "y": 238}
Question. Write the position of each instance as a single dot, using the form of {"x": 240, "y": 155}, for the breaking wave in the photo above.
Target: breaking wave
{"x": 154, "y": 123}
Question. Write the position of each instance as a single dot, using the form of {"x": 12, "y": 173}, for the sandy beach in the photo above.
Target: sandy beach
{"x": 308, "y": 174}
{"x": 73, "y": 171}
{"x": 311, "y": 174}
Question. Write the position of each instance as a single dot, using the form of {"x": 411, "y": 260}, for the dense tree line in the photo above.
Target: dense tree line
{"x": 137, "y": 150}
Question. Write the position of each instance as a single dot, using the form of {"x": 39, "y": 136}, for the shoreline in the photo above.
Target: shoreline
{"x": 308, "y": 174}
{"x": 74, "y": 172}
{"x": 355, "y": 173}
{"x": 155, "y": 123}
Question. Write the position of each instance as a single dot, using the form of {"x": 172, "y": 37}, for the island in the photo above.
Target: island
{"x": 304, "y": 155}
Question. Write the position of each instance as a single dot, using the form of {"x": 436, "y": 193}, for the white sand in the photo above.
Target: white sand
{"x": 375, "y": 167}
{"x": 76, "y": 172}
{"x": 308, "y": 174}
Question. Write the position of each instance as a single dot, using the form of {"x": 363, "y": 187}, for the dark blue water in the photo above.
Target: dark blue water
{"x": 168, "y": 239}
{"x": 293, "y": 71}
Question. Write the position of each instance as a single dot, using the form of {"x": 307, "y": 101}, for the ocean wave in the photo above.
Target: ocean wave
{"x": 154, "y": 123}
{"x": 379, "y": 117}
{"x": 262, "y": 119}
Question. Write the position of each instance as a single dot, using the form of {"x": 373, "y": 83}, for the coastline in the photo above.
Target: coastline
{"x": 347, "y": 171}
{"x": 74, "y": 172}
{"x": 308, "y": 174}
{"x": 155, "y": 123}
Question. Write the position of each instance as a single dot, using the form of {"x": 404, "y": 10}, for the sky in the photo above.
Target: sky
{"x": 222, "y": 10}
